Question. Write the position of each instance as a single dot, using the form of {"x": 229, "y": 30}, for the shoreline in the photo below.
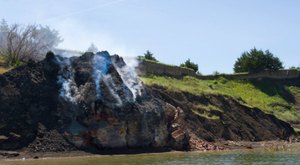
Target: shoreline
{"x": 228, "y": 146}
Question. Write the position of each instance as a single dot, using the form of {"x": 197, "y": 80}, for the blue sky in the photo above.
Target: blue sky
{"x": 212, "y": 33}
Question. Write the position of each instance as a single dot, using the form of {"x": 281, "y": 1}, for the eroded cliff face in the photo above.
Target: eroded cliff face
{"x": 95, "y": 102}
{"x": 217, "y": 117}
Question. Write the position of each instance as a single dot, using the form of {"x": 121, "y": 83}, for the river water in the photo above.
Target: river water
{"x": 288, "y": 156}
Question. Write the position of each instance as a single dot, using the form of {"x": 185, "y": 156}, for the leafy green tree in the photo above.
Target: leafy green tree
{"x": 149, "y": 56}
{"x": 257, "y": 61}
{"x": 191, "y": 65}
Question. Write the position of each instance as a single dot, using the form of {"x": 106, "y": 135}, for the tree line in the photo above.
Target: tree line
{"x": 252, "y": 61}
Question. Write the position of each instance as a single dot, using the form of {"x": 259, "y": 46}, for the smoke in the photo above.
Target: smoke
{"x": 112, "y": 89}
{"x": 66, "y": 53}
{"x": 66, "y": 79}
{"x": 101, "y": 63}
{"x": 131, "y": 62}
{"x": 85, "y": 35}
{"x": 129, "y": 76}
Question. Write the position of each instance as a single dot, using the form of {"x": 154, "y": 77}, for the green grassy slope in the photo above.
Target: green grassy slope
{"x": 271, "y": 97}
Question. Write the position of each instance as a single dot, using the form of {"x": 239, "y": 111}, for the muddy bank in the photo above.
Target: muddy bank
{"x": 95, "y": 104}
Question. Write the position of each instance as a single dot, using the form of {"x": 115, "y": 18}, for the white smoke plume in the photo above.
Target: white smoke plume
{"x": 107, "y": 79}
{"x": 66, "y": 80}
{"x": 101, "y": 62}
{"x": 130, "y": 77}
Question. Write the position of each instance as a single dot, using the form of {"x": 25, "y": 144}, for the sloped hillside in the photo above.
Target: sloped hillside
{"x": 278, "y": 97}
{"x": 95, "y": 103}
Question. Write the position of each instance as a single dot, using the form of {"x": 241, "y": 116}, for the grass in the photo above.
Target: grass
{"x": 295, "y": 91}
{"x": 142, "y": 58}
{"x": 205, "y": 111}
{"x": 297, "y": 130}
{"x": 206, "y": 115}
{"x": 2, "y": 68}
{"x": 270, "y": 97}
{"x": 208, "y": 107}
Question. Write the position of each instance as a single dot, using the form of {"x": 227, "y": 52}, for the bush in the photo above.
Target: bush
{"x": 149, "y": 56}
{"x": 189, "y": 64}
{"x": 19, "y": 44}
{"x": 257, "y": 61}
{"x": 216, "y": 73}
{"x": 294, "y": 68}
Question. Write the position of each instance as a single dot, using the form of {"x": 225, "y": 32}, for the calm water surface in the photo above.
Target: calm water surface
{"x": 257, "y": 156}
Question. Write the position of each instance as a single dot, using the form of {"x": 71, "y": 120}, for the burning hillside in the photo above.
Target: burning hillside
{"x": 96, "y": 102}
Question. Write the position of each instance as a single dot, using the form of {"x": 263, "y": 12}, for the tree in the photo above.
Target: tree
{"x": 20, "y": 43}
{"x": 4, "y": 26}
{"x": 257, "y": 61}
{"x": 3, "y": 32}
{"x": 149, "y": 56}
{"x": 191, "y": 65}
{"x": 294, "y": 68}
{"x": 92, "y": 48}
{"x": 216, "y": 73}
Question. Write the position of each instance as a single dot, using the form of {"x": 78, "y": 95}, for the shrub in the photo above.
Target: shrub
{"x": 149, "y": 56}
{"x": 189, "y": 64}
{"x": 294, "y": 68}
{"x": 257, "y": 61}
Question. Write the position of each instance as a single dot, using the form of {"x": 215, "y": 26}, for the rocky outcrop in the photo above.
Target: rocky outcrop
{"x": 85, "y": 99}
{"x": 95, "y": 103}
